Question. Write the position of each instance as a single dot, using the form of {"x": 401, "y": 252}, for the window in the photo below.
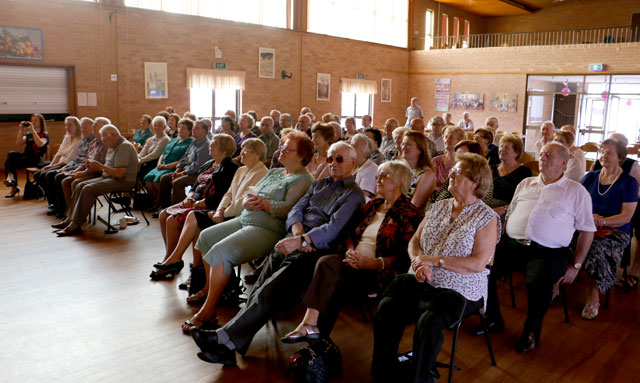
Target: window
{"x": 467, "y": 32}
{"x": 356, "y": 105}
{"x": 271, "y": 13}
{"x": 213, "y": 103}
{"x": 456, "y": 31}
{"x": 444, "y": 31}
{"x": 428, "y": 30}
{"x": 378, "y": 21}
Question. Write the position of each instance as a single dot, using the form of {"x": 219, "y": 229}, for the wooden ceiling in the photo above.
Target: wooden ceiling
{"x": 501, "y": 7}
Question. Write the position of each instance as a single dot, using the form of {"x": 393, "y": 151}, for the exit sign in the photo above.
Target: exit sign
{"x": 596, "y": 67}
{"x": 221, "y": 66}
{"x": 360, "y": 76}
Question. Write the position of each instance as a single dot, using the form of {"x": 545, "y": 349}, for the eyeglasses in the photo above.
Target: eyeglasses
{"x": 479, "y": 136}
{"x": 287, "y": 150}
{"x": 382, "y": 176}
{"x": 245, "y": 151}
{"x": 339, "y": 159}
{"x": 456, "y": 171}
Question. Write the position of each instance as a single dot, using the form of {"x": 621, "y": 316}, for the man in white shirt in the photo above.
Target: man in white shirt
{"x": 366, "y": 123}
{"x": 544, "y": 214}
{"x": 437, "y": 125}
{"x": 466, "y": 123}
{"x": 547, "y": 129}
{"x": 413, "y": 111}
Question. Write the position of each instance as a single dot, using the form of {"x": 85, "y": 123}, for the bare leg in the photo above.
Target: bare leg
{"x": 173, "y": 229}
{"x": 217, "y": 281}
{"x": 635, "y": 265}
{"x": 593, "y": 295}
{"x": 190, "y": 231}
{"x": 311, "y": 316}
{"x": 163, "y": 227}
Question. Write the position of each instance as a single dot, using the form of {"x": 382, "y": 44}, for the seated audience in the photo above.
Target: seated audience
{"x": 350, "y": 126}
{"x": 252, "y": 156}
{"x": 446, "y": 117}
{"x": 154, "y": 147}
{"x": 387, "y": 141}
{"x": 376, "y": 138}
{"x": 327, "y": 118}
{"x": 437, "y": 125}
{"x": 367, "y": 169}
{"x": 192, "y": 116}
{"x": 543, "y": 215}
{"x": 491, "y": 123}
{"x": 418, "y": 126}
{"x": 170, "y": 158}
{"x": 144, "y": 132}
{"x": 33, "y": 136}
{"x": 258, "y": 228}
{"x": 275, "y": 116}
{"x": 450, "y": 252}
{"x": 508, "y": 174}
{"x": 213, "y": 181}
{"x": 245, "y": 131}
{"x": 337, "y": 131}
{"x": 322, "y": 137}
{"x": 484, "y": 136}
{"x": 274, "y": 160}
{"x": 614, "y": 195}
{"x": 444, "y": 162}
{"x": 547, "y": 129}
{"x": 366, "y": 123}
{"x": 311, "y": 116}
{"x": 423, "y": 178}
{"x": 172, "y": 184}
{"x": 315, "y": 224}
{"x": 369, "y": 258}
{"x": 466, "y": 123}
{"x": 577, "y": 165}
{"x": 304, "y": 124}
{"x": 227, "y": 126}
{"x": 285, "y": 122}
{"x": 574, "y": 150}
{"x": 395, "y": 152}
{"x": 413, "y": 111}
{"x": 118, "y": 174}
{"x": 172, "y": 125}
{"x": 269, "y": 137}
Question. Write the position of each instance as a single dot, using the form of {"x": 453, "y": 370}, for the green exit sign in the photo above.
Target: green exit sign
{"x": 596, "y": 67}
{"x": 221, "y": 66}
{"x": 360, "y": 76}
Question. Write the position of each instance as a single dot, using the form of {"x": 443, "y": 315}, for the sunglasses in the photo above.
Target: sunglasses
{"x": 338, "y": 159}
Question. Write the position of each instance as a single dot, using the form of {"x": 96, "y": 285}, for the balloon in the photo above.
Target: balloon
{"x": 566, "y": 91}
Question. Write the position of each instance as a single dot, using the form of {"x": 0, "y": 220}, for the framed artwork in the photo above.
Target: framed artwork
{"x": 156, "y": 81}
{"x": 443, "y": 87}
{"x": 503, "y": 102}
{"x": 18, "y": 43}
{"x": 323, "y": 87}
{"x": 472, "y": 101}
{"x": 266, "y": 62}
{"x": 385, "y": 94}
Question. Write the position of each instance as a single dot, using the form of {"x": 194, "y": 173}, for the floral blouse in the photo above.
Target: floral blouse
{"x": 456, "y": 239}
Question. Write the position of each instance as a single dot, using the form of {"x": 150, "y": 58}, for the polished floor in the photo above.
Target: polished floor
{"x": 82, "y": 309}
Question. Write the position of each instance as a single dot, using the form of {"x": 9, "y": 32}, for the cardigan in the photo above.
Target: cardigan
{"x": 231, "y": 203}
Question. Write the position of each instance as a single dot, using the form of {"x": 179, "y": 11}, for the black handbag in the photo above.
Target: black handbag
{"x": 32, "y": 191}
{"x": 318, "y": 362}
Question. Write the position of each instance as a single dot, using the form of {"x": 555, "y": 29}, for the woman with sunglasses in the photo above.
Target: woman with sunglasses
{"x": 415, "y": 150}
{"x": 484, "y": 136}
{"x": 369, "y": 258}
{"x": 449, "y": 252}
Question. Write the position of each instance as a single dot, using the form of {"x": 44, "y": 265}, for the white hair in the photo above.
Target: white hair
{"x": 368, "y": 144}
{"x": 110, "y": 129}
{"x": 341, "y": 145}
{"x": 159, "y": 119}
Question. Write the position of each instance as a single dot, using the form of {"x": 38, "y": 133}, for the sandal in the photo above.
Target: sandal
{"x": 197, "y": 322}
{"x": 310, "y": 333}
{"x": 590, "y": 312}
{"x": 197, "y": 297}
{"x": 628, "y": 282}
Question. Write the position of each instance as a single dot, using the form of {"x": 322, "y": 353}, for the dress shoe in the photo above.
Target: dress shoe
{"x": 51, "y": 212}
{"x": 492, "y": 327}
{"x": 60, "y": 216}
{"x": 222, "y": 356}
{"x": 68, "y": 231}
{"x": 526, "y": 343}
{"x": 207, "y": 340}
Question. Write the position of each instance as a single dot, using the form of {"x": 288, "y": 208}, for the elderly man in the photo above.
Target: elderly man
{"x": 275, "y": 116}
{"x": 327, "y": 118}
{"x": 314, "y": 225}
{"x": 54, "y": 191}
{"x": 446, "y": 117}
{"x": 269, "y": 138}
{"x": 466, "y": 123}
{"x": 544, "y": 214}
{"x": 418, "y": 125}
{"x": 350, "y": 125}
{"x": 367, "y": 169}
{"x": 547, "y": 129}
{"x": 492, "y": 123}
{"x": 366, "y": 123}
{"x": 172, "y": 184}
{"x": 285, "y": 121}
{"x": 437, "y": 125}
{"x": 413, "y": 111}
{"x": 304, "y": 124}
{"x": 118, "y": 174}
{"x": 387, "y": 141}
{"x": 305, "y": 110}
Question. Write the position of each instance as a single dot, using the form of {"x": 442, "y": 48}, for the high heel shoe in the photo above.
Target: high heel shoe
{"x": 198, "y": 297}
{"x": 199, "y": 323}
{"x": 296, "y": 336}
{"x": 166, "y": 271}
{"x": 11, "y": 195}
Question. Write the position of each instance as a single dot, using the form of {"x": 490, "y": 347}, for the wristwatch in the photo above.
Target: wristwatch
{"x": 577, "y": 265}
{"x": 441, "y": 261}
{"x": 303, "y": 242}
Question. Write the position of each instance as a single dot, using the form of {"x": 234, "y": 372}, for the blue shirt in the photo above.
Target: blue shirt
{"x": 83, "y": 152}
{"x": 326, "y": 209}
{"x": 196, "y": 155}
{"x": 625, "y": 189}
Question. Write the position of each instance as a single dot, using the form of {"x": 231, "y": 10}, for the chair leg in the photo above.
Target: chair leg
{"x": 454, "y": 345}
{"x": 483, "y": 322}
{"x": 511, "y": 289}
{"x": 563, "y": 296}
{"x": 606, "y": 299}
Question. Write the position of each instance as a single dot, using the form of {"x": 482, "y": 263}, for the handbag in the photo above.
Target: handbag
{"x": 32, "y": 191}
{"x": 600, "y": 233}
{"x": 318, "y": 362}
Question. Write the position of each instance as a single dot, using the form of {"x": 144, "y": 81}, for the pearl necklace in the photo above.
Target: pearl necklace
{"x": 611, "y": 185}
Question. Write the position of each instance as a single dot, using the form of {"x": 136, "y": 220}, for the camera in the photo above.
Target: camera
{"x": 25, "y": 124}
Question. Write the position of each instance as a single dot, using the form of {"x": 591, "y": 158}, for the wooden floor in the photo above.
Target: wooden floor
{"x": 83, "y": 309}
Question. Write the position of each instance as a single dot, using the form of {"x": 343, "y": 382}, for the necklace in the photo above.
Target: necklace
{"x": 612, "y": 183}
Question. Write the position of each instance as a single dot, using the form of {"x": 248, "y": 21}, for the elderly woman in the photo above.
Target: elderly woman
{"x": 449, "y": 251}
{"x": 227, "y": 126}
{"x": 573, "y": 149}
{"x": 371, "y": 256}
{"x": 614, "y": 195}
{"x": 415, "y": 151}
{"x": 246, "y": 125}
{"x": 213, "y": 181}
{"x": 154, "y": 147}
{"x": 260, "y": 225}
{"x": 366, "y": 175}
{"x": 509, "y": 173}
{"x": 34, "y": 138}
{"x": 443, "y": 163}
{"x": 144, "y": 133}
{"x": 437, "y": 125}
{"x": 394, "y": 152}
{"x": 322, "y": 137}
{"x": 252, "y": 156}
{"x": 172, "y": 125}
{"x": 577, "y": 165}
{"x": 484, "y": 136}
{"x": 170, "y": 157}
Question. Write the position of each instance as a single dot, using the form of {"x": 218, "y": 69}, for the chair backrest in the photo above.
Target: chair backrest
{"x": 591, "y": 147}
{"x": 469, "y": 135}
{"x": 533, "y": 165}
{"x": 52, "y": 151}
{"x": 590, "y": 165}
{"x": 526, "y": 157}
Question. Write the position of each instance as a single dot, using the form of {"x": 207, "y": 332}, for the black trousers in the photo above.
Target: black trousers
{"x": 543, "y": 267}
{"x": 434, "y": 309}
{"x": 280, "y": 286}
{"x": 46, "y": 180}
{"x": 17, "y": 160}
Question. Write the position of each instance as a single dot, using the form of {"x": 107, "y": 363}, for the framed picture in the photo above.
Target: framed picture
{"x": 469, "y": 101}
{"x": 156, "y": 82}
{"x": 503, "y": 102}
{"x": 266, "y": 62}
{"x": 443, "y": 87}
{"x": 323, "y": 87}
{"x": 18, "y": 43}
{"x": 385, "y": 94}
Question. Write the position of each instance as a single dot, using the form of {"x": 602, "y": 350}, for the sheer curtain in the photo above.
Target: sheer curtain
{"x": 351, "y": 85}
{"x": 378, "y": 21}
{"x": 215, "y": 79}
